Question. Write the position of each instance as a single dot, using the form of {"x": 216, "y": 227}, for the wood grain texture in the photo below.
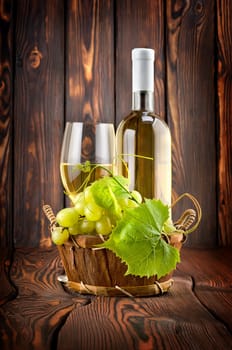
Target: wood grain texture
{"x": 90, "y": 61}
{"x": 173, "y": 321}
{"x": 6, "y": 120}
{"x": 39, "y": 107}
{"x": 211, "y": 271}
{"x": 7, "y": 291}
{"x": 204, "y": 327}
{"x": 32, "y": 319}
{"x": 211, "y": 268}
{"x": 224, "y": 92}
{"x": 81, "y": 70}
{"x": 219, "y": 303}
{"x": 138, "y": 24}
{"x": 194, "y": 314}
{"x": 191, "y": 108}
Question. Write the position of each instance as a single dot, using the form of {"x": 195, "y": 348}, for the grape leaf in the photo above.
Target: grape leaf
{"x": 107, "y": 190}
{"x": 169, "y": 226}
{"x": 137, "y": 240}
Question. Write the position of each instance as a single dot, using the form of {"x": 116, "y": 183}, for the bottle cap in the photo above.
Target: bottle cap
{"x": 143, "y": 54}
{"x": 143, "y": 69}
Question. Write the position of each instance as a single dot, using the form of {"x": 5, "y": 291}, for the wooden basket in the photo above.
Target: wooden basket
{"x": 99, "y": 271}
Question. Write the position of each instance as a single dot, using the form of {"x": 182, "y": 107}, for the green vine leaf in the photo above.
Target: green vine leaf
{"x": 108, "y": 190}
{"x": 138, "y": 241}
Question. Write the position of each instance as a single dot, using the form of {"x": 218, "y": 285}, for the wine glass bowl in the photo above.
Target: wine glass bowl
{"x": 86, "y": 144}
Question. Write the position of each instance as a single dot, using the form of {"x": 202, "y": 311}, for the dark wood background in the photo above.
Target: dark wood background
{"x": 70, "y": 60}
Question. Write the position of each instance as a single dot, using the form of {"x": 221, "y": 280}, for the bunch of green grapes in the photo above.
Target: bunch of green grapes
{"x": 87, "y": 217}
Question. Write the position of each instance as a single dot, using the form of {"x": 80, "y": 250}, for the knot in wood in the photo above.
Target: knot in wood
{"x": 199, "y": 7}
{"x": 35, "y": 58}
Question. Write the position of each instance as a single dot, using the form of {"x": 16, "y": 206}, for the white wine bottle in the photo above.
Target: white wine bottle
{"x": 143, "y": 140}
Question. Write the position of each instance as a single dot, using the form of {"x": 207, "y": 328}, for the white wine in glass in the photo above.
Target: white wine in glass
{"x": 92, "y": 142}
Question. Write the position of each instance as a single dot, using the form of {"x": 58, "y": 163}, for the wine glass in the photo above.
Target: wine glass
{"x": 82, "y": 142}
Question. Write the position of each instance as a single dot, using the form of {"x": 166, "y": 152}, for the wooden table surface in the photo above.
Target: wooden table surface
{"x": 195, "y": 314}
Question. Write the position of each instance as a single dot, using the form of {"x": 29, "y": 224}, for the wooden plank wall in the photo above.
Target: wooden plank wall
{"x": 70, "y": 60}
{"x": 6, "y": 121}
{"x": 224, "y": 93}
{"x": 191, "y": 106}
{"x": 38, "y": 116}
{"x": 90, "y": 61}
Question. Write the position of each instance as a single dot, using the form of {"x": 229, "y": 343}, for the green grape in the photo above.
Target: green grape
{"x": 75, "y": 230}
{"x": 86, "y": 226}
{"x": 93, "y": 212}
{"x": 80, "y": 203}
{"x": 123, "y": 202}
{"x": 104, "y": 226}
{"x": 111, "y": 216}
{"x": 67, "y": 217}
{"x": 59, "y": 235}
{"x": 88, "y": 194}
{"x": 137, "y": 196}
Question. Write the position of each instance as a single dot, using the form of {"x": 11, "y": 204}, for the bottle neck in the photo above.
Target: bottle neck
{"x": 143, "y": 101}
